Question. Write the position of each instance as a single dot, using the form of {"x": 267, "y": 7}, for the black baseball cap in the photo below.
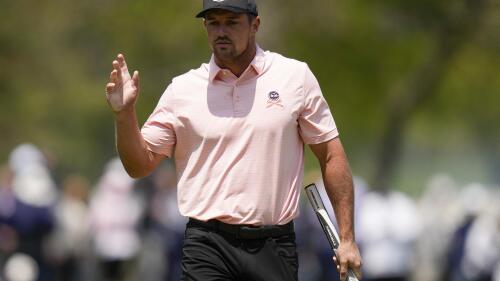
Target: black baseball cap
{"x": 237, "y": 6}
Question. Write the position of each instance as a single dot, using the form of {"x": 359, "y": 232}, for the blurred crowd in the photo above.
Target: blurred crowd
{"x": 124, "y": 229}
{"x": 115, "y": 229}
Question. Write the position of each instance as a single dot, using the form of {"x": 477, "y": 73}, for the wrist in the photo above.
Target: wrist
{"x": 125, "y": 113}
{"x": 347, "y": 238}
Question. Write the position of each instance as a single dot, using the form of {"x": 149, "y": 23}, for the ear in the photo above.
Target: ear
{"x": 256, "y": 24}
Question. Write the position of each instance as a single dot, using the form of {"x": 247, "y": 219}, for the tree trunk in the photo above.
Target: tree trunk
{"x": 421, "y": 85}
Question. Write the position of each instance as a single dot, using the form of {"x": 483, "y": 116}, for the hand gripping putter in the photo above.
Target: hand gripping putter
{"x": 326, "y": 223}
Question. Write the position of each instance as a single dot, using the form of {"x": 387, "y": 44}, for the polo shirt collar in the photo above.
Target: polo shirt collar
{"x": 257, "y": 64}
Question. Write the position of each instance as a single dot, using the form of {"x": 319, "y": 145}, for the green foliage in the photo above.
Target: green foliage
{"x": 55, "y": 58}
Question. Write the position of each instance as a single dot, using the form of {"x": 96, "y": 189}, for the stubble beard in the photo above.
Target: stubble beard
{"x": 227, "y": 54}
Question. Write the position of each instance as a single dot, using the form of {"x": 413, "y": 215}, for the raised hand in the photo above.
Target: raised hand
{"x": 122, "y": 89}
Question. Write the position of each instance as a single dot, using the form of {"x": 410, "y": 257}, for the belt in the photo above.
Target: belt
{"x": 244, "y": 231}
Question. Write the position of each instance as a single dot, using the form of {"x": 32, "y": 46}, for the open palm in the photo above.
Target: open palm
{"x": 122, "y": 89}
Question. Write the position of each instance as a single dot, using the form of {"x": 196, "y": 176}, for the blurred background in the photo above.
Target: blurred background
{"x": 413, "y": 86}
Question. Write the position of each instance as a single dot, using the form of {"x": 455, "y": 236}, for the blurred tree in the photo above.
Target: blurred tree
{"x": 457, "y": 25}
{"x": 387, "y": 68}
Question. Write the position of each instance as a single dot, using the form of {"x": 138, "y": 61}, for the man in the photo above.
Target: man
{"x": 236, "y": 128}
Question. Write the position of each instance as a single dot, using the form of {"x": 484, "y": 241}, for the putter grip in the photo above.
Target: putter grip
{"x": 351, "y": 276}
{"x": 327, "y": 225}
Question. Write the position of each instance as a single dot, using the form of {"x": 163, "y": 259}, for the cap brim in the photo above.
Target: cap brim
{"x": 232, "y": 9}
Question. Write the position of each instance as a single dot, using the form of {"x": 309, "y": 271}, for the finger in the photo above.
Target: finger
{"x": 343, "y": 275}
{"x": 135, "y": 78}
{"x": 335, "y": 260}
{"x": 113, "y": 76}
{"x": 357, "y": 269}
{"x": 116, "y": 66}
{"x": 110, "y": 87}
{"x": 358, "y": 274}
{"x": 123, "y": 64}
{"x": 343, "y": 269}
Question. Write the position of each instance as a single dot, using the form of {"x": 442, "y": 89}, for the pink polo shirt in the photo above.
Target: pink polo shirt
{"x": 238, "y": 143}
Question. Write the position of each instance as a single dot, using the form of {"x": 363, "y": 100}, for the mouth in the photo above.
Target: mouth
{"x": 222, "y": 43}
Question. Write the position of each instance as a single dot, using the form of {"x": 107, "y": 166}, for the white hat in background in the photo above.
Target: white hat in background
{"x": 24, "y": 155}
{"x": 34, "y": 186}
{"x": 32, "y": 182}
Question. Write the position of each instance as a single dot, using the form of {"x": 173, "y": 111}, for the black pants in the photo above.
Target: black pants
{"x": 211, "y": 254}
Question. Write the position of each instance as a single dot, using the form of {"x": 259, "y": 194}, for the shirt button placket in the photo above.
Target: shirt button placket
{"x": 236, "y": 98}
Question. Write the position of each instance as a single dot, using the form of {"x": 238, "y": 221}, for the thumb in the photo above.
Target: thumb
{"x": 135, "y": 78}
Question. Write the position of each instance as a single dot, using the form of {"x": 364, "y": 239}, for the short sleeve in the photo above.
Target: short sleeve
{"x": 316, "y": 123}
{"x": 158, "y": 131}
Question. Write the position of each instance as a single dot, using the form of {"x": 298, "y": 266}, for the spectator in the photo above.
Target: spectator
{"x": 69, "y": 240}
{"x": 30, "y": 214}
{"x": 480, "y": 244}
{"x": 115, "y": 211}
{"x": 388, "y": 226}
{"x": 440, "y": 215}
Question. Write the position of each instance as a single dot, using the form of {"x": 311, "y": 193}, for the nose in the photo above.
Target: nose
{"x": 221, "y": 30}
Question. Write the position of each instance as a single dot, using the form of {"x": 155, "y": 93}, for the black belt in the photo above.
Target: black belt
{"x": 244, "y": 231}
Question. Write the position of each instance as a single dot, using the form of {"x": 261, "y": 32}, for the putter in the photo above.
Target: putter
{"x": 326, "y": 223}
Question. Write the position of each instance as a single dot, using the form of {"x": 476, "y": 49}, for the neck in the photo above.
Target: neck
{"x": 238, "y": 65}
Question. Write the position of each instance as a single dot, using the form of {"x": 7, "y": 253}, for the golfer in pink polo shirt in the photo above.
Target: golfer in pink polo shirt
{"x": 236, "y": 127}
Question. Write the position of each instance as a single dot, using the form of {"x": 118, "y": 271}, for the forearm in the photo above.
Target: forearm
{"x": 136, "y": 158}
{"x": 337, "y": 178}
{"x": 339, "y": 187}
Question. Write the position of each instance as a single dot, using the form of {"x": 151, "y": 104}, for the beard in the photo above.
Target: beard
{"x": 225, "y": 53}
